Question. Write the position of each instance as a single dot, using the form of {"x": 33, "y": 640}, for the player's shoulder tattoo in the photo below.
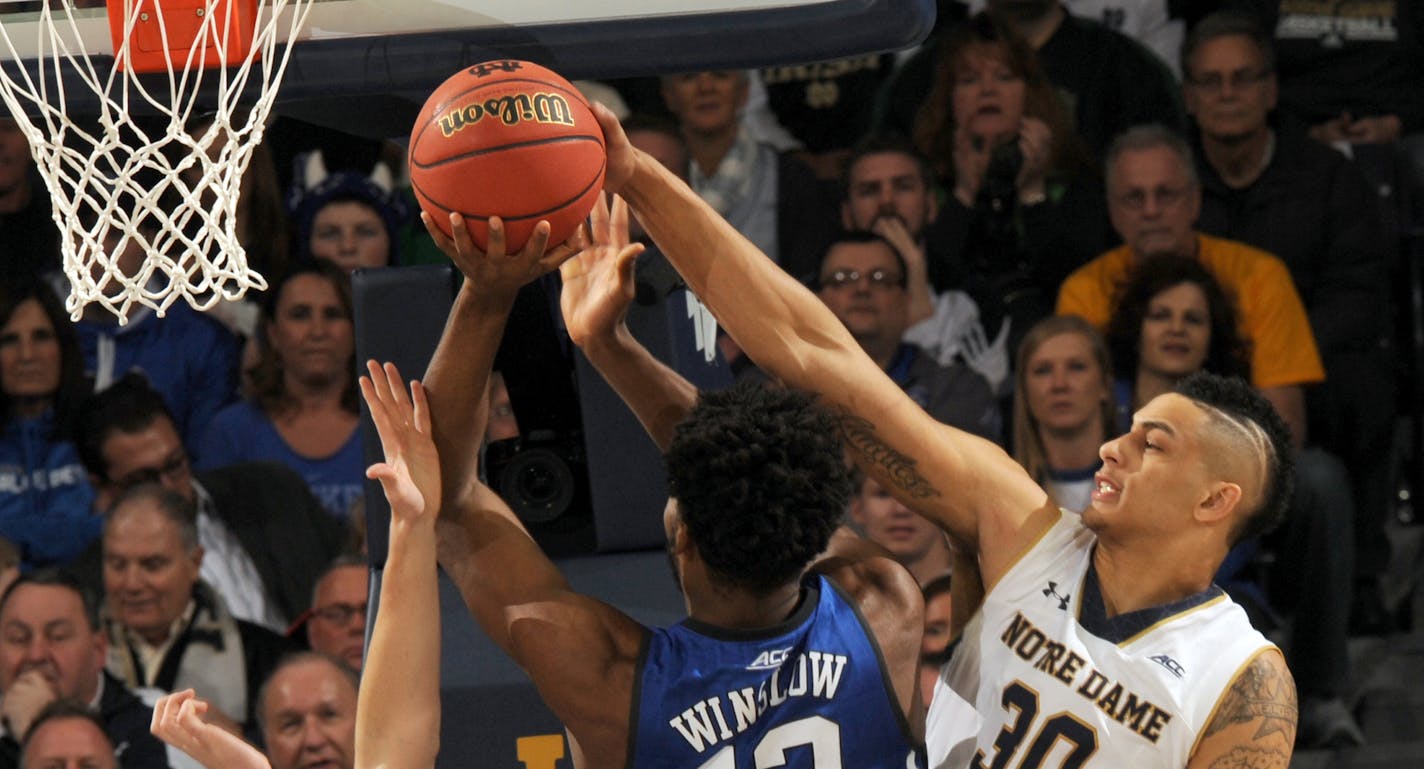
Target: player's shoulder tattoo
{"x": 860, "y": 435}
{"x": 1264, "y": 691}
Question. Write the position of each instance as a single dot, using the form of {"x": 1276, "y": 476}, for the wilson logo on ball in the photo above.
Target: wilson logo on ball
{"x": 540, "y": 107}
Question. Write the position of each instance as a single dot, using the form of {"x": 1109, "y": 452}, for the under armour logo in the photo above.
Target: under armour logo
{"x": 1170, "y": 664}
{"x": 704, "y": 325}
{"x": 1052, "y": 591}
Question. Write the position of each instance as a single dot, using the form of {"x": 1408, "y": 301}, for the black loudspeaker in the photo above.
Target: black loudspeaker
{"x": 583, "y": 475}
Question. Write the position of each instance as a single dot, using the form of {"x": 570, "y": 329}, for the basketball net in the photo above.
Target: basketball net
{"x": 120, "y": 182}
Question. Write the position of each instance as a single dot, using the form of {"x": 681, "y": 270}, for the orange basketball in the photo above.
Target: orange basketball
{"x": 510, "y": 139}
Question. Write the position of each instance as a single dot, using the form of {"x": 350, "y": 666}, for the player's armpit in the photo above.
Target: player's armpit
{"x": 1254, "y": 724}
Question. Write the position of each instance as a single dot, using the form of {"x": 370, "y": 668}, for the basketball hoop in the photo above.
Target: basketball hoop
{"x": 169, "y": 56}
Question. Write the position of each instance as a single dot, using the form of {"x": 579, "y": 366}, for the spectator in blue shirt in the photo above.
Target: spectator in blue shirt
{"x": 303, "y": 413}
{"x": 45, "y": 497}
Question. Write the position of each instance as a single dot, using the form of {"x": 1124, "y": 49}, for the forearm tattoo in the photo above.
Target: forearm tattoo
{"x": 1253, "y": 758}
{"x": 859, "y": 434}
{"x": 1265, "y": 691}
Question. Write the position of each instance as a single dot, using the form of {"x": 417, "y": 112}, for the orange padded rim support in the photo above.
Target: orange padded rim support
{"x": 184, "y": 20}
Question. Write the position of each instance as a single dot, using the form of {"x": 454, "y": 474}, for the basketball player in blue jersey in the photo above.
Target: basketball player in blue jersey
{"x": 1103, "y": 641}
{"x": 801, "y": 647}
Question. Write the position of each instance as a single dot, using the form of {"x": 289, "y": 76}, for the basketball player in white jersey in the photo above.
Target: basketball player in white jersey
{"x": 1104, "y": 642}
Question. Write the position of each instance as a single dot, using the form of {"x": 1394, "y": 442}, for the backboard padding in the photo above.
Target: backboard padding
{"x": 352, "y": 49}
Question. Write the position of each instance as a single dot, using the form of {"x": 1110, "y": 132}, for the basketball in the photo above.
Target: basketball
{"x": 510, "y": 139}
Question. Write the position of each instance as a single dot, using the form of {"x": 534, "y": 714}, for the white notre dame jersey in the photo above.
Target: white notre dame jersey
{"x": 1063, "y": 685}
{"x": 952, "y": 725}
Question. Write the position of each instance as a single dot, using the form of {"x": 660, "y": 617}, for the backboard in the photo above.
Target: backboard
{"x": 359, "y": 62}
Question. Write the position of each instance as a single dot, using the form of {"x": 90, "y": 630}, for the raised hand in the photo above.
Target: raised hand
{"x": 622, "y": 158}
{"x": 989, "y": 359}
{"x": 1036, "y": 144}
{"x": 410, "y": 476}
{"x": 178, "y": 721}
{"x": 492, "y": 270}
{"x": 28, "y": 694}
{"x": 971, "y": 162}
{"x": 598, "y": 281}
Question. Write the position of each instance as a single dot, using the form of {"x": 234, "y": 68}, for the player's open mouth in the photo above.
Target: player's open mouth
{"x": 1104, "y": 488}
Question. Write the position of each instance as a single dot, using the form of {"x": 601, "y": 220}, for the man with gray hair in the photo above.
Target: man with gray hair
{"x": 168, "y": 629}
{"x": 1154, "y": 198}
{"x": 307, "y": 712}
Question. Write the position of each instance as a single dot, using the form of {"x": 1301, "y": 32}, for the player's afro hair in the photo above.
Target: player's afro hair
{"x": 1241, "y": 402}
{"x": 760, "y": 481}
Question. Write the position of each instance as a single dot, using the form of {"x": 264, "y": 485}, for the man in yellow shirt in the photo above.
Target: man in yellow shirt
{"x": 1153, "y": 199}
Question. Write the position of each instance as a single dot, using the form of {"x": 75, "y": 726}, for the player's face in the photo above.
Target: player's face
{"x": 311, "y": 330}
{"x": 148, "y": 574}
{"x": 69, "y": 743}
{"x": 309, "y": 717}
{"x": 1228, "y": 89}
{"x": 1153, "y": 203}
{"x": 988, "y": 96}
{"x": 43, "y": 630}
{"x": 29, "y": 354}
{"x": 1064, "y": 385}
{"x": 338, "y": 622}
{"x": 350, "y": 235}
{"x": 706, "y": 102}
{"x": 1155, "y": 474}
{"x": 1176, "y": 331}
{"x": 890, "y": 524}
{"x": 14, "y": 156}
{"x": 887, "y": 184}
{"x": 872, "y": 309}
{"x": 153, "y": 454}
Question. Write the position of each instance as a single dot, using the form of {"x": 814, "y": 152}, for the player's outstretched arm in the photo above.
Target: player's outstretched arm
{"x": 967, "y": 485}
{"x": 398, "y": 710}
{"x": 178, "y": 721}
{"x": 579, "y": 652}
{"x": 1255, "y": 722}
{"x": 598, "y": 288}
{"x": 462, "y": 360}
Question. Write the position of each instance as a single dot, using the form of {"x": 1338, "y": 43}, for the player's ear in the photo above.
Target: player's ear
{"x": 1219, "y": 503}
{"x": 678, "y": 539}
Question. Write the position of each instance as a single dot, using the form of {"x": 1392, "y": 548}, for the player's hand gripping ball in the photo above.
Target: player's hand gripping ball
{"x": 510, "y": 139}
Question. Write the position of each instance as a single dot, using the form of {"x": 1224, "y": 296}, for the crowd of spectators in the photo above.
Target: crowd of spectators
{"x": 1035, "y": 222}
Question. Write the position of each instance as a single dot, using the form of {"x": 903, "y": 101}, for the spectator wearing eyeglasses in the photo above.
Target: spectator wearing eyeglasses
{"x": 862, "y": 281}
{"x": 265, "y": 535}
{"x": 335, "y": 625}
{"x": 167, "y": 629}
{"x": 1154, "y": 198}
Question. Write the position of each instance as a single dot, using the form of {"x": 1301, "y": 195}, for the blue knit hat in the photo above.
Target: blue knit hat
{"x": 313, "y": 187}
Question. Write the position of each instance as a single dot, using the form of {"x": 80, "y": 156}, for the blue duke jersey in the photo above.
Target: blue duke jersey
{"x": 811, "y": 693}
{"x": 1063, "y": 685}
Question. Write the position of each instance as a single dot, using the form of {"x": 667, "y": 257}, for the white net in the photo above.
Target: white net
{"x": 147, "y": 206}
